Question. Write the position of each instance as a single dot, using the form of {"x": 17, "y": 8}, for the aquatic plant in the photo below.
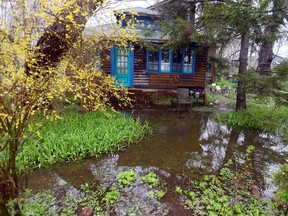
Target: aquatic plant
{"x": 158, "y": 194}
{"x": 162, "y": 98}
{"x": 152, "y": 179}
{"x": 76, "y": 136}
{"x": 229, "y": 193}
{"x": 111, "y": 197}
{"x": 95, "y": 197}
{"x": 126, "y": 178}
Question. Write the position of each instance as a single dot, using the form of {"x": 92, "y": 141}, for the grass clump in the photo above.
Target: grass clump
{"x": 76, "y": 136}
{"x": 263, "y": 118}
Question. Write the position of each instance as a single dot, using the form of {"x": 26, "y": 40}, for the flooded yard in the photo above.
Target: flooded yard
{"x": 183, "y": 147}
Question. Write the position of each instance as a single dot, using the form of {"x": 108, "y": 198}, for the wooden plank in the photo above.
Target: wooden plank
{"x": 176, "y": 80}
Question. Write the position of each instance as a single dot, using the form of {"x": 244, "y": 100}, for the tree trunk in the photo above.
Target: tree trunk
{"x": 212, "y": 54}
{"x": 10, "y": 185}
{"x": 270, "y": 36}
{"x": 266, "y": 53}
{"x": 60, "y": 36}
{"x": 243, "y": 60}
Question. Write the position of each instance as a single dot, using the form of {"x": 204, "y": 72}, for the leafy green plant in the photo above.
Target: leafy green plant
{"x": 228, "y": 193}
{"x": 152, "y": 179}
{"x": 163, "y": 98}
{"x": 209, "y": 98}
{"x": 49, "y": 203}
{"x": 76, "y": 136}
{"x": 126, "y": 178}
{"x": 158, "y": 194}
{"x": 281, "y": 180}
{"x": 111, "y": 197}
{"x": 178, "y": 190}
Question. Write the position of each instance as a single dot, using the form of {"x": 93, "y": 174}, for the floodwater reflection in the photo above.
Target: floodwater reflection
{"x": 182, "y": 145}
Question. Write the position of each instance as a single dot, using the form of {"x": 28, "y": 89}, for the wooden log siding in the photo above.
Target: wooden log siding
{"x": 106, "y": 61}
{"x": 198, "y": 79}
{"x": 141, "y": 78}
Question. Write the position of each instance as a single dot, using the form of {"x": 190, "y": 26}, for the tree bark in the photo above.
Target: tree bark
{"x": 270, "y": 36}
{"x": 60, "y": 36}
{"x": 266, "y": 53}
{"x": 243, "y": 60}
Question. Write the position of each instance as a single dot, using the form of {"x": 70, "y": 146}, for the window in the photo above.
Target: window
{"x": 141, "y": 24}
{"x": 124, "y": 23}
{"x": 208, "y": 71}
{"x": 153, "y": 61}
{"x": 152, "y": 24}
{"x": 177, "y": 61}
{"x": 167, "y": 61}
{"x": 189, "y": 58}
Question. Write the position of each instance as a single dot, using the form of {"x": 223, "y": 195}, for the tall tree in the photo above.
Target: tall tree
{"x": 243, "y": 60}
{"x": 229, "y": 20}
{"x": 219, "y": 22}
{"x": 272, "y": 24}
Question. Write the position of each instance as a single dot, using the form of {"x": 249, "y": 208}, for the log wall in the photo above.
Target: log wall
{"x": 142, "y": 79}
{"x": 184, "y": 80}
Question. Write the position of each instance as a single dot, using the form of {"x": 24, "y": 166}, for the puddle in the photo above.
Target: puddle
{"x": 183, "y": 146}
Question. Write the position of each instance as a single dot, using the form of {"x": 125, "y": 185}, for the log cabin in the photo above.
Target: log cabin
{"x": 149, "y": 64}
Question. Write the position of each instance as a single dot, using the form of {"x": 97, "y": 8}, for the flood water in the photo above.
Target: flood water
{"x": 185, "y": 145}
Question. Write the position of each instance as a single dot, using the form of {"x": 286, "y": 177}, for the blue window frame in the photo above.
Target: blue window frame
{"x": 177, "y": 59}
{"x": 153, "y": 61}
{"x": 168, "y": 61}
{"x": 189, "y": 59}
{"x": 165, "y": 61}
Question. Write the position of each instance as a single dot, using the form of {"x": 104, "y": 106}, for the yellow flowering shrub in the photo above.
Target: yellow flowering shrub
{"x": 43, "y": 58}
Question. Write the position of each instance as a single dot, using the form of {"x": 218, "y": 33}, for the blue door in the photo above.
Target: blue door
{"x": 123, "y": 66}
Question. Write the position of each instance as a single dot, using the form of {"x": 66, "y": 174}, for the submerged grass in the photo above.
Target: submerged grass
{"x": 76, "y": 136}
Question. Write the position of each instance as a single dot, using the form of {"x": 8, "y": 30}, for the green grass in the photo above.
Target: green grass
{"x": 77, "y": 136}
{"x": 226, "y": 83}
{"x": 263, "y": 118}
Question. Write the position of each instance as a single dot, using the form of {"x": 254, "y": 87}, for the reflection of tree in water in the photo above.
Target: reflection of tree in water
{"x": 213, "y": 140}
{"x": 219, "y": 144}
